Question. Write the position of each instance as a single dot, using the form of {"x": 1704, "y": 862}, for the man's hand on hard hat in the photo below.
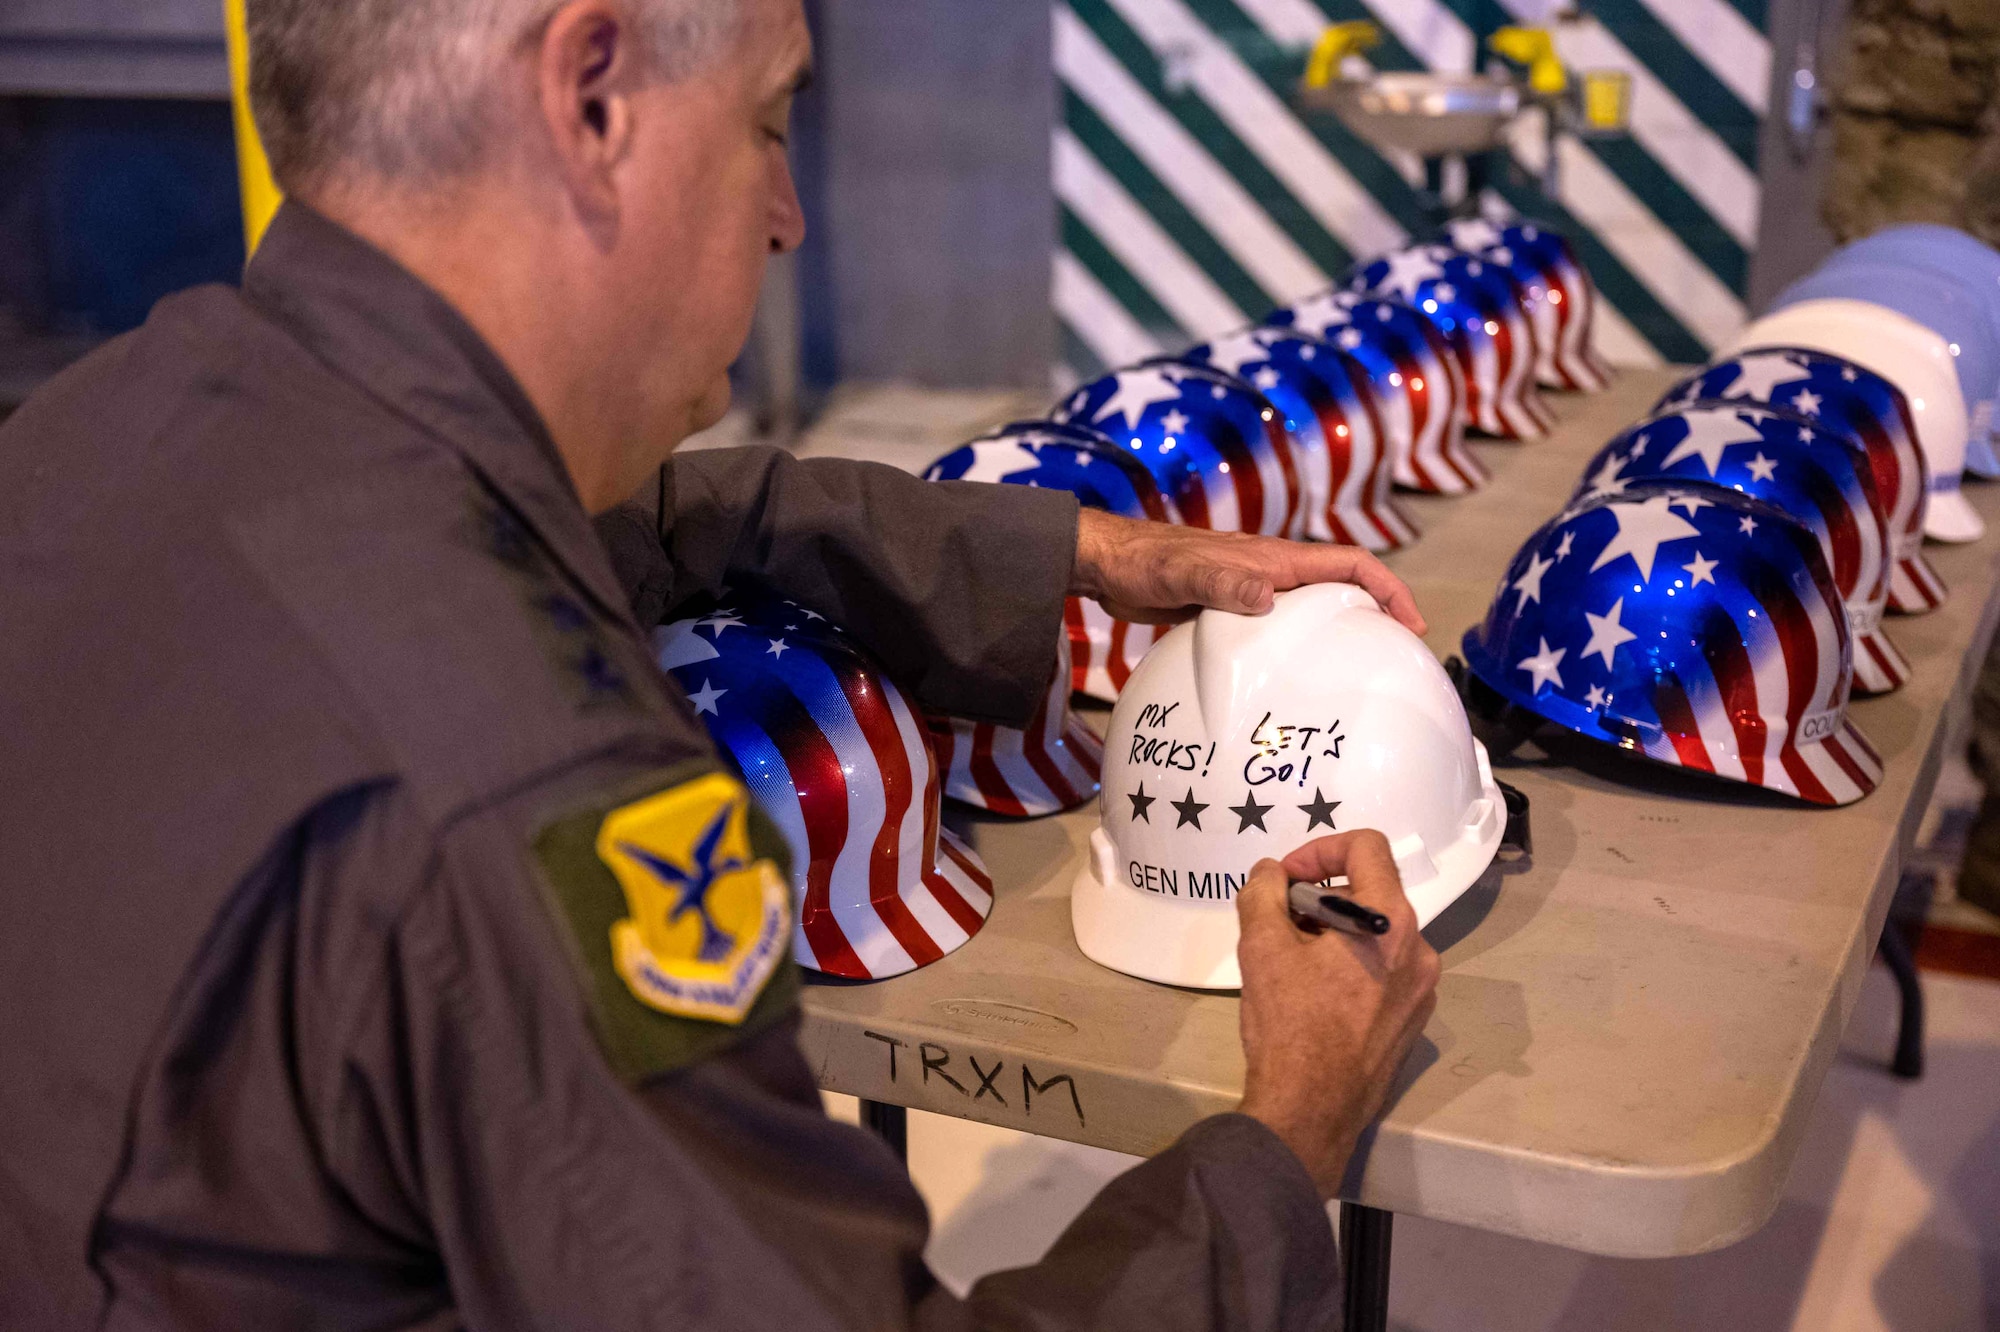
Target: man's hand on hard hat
{"x": 1157, "y": 573}
{"x": 1328, "y": 1017}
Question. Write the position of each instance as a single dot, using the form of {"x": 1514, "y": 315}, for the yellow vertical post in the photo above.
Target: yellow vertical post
{"x": 261, "y": 195}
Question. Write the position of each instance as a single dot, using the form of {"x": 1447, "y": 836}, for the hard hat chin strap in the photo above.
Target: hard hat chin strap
{"x": 1500, "y": 726}
{"x": 1519, "y": 836}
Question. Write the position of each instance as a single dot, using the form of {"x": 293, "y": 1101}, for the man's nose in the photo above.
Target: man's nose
{"x": 788, "y": 217}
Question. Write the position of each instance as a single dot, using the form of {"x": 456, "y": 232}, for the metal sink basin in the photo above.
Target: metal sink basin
{"x": 1429, "y": 114}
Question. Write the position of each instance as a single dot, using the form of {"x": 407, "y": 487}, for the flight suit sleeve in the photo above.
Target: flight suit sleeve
{"x": 574, "y": 1174}
{"x": 956, "y": 586}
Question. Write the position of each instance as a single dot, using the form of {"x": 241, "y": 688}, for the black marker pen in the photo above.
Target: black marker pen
{"x": 1316, "y": 904}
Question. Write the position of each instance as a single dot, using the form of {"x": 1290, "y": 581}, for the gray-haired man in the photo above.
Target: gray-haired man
{"x": 322, "y": 689}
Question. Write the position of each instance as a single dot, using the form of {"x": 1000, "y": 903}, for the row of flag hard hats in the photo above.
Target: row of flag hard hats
{"x": 1716, "y": 587}
{"x": 1301, "y": 427}
{"x": 1711, "y": 591}
{"x": 1306, "y": 425}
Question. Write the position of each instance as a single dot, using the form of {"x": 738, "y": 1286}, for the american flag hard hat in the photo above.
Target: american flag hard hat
{"x": 1419, "y": 389}
{"x": 1686, "y": 624}
{"x": 1817, "y": 475}
{"x": 1329, "y": 413}
{"x": 1103, "y": 650}
{"x": 1215, "y": 445}
{"x": 1561, "y": 298}
{"x": 1481, "y": 312}
{"x": 1862, "y": 404}
{"x": 834, "y": 755}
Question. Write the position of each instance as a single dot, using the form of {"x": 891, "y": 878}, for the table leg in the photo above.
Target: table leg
{"x": 891, "y": 1123}
{"x": 1364, "y": 1254}
{"x": 1895, "y": 949}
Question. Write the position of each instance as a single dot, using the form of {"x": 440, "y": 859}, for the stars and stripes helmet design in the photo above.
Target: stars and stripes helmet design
{"x": 1814, "y": 474}
{"x": 1561, "y": 299}
{"x": 1419, "y": 390}
{"x": 1103, "y": 650}
{"x": 1214, "y": 444}
{"x": 1861, "y": 404}
{"x": 1328, "y": 411}
{"x": 1244, "y": 736}
{"x": 834, "y": 755}
{"x": 1938, "y": 304}
{"x": 1055, "y": 456}
{"x": 1689, "y": 624}
{"x": 1906, "y": 354}
{"x": 1480, "y": 311}
{"x": 1050, "y": 766}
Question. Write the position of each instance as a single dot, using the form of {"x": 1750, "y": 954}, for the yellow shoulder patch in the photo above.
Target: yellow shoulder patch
{"x": 708, "y": 919}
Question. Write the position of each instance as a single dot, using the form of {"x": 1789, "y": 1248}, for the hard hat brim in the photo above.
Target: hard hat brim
{"x": 950, "y": 903}
{"x": 1879, "y": 665}
{"x": 1980, "y": 460}
{"x": 1838, "y": 770}
{"x": 1914, "y": 587}
{"x": 1950, "y": 518}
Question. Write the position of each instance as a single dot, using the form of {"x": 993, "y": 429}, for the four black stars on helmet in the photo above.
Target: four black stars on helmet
{"x": 1319, "y": 810}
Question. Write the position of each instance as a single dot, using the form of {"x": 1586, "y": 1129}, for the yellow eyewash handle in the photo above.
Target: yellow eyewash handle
{"x": 261, "y": 195}
{"x": 1536, "y": 49}
{"x": 1335, "y": 45}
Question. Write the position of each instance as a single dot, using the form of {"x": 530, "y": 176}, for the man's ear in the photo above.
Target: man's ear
{"x": 587, "y": 66}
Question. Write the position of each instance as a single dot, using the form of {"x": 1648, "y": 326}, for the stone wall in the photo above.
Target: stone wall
{"x": 1915, "y": 97}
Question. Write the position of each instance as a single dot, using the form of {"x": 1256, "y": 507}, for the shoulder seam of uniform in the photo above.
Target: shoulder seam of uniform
{"x": 277, "y": 321}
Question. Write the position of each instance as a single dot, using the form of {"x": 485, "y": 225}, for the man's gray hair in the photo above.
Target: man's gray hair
{"x": 403, "y": 89}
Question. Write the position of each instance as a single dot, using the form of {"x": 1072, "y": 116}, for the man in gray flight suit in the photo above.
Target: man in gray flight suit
{"x": 328, "y": 715}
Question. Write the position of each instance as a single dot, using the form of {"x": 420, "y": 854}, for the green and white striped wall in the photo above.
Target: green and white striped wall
{"x": 1193, "y": 198}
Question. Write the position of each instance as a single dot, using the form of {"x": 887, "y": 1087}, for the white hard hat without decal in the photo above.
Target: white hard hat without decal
{"x": 1915, "y": 360}
{"x": 1244, "y": 737}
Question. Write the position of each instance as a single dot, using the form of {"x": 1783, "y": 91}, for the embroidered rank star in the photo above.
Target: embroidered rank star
{"x": 709, "y": 921}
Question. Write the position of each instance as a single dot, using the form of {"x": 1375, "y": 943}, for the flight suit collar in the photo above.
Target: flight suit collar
{"x": 377, "y": 324}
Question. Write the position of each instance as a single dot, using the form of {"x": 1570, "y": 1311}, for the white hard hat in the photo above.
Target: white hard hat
{"x": 1244, "y": 737}
{"x": 1908, "y": 355}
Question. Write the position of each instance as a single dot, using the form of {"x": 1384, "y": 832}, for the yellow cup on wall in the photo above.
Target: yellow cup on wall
{"x": 1607, "y": 100}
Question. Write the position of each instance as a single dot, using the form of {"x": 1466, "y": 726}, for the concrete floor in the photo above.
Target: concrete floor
{"x": 1890, "y": 1221}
